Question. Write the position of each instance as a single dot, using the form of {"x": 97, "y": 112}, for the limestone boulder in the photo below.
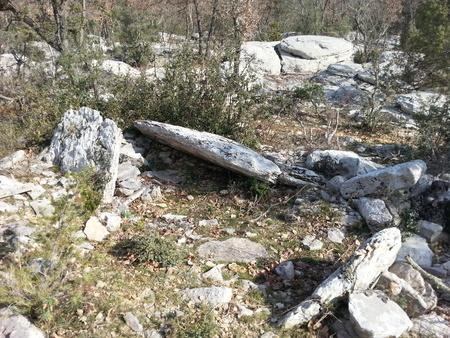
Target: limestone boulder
{"x": 375, "y": 213}
{"x": 260, "y": 57}
{"x": 212, "y": 148}
{"x": 232, "y": 250}
{"x": 344, "y": 163}
{"x": 15, "y": 325}
{"x": 375, "y": 315}
{"x": 399, "y": 177}
{"x": 85, "y": 139}
{"x": 313, "y": 47}
{"x": 420, "y": 102}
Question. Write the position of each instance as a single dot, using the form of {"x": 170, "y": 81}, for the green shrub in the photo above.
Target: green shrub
{"x": 150, "y": 249}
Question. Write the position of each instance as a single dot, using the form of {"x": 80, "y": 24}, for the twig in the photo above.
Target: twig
{"x": 6, "y": 98}
{"x": 428, "y": 276}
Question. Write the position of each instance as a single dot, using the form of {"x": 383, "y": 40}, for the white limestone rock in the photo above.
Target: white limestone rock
{"x": 232, "y": 250}
{"x": 212, "y": 148}
{"x": 345, "y": 70}
{"x": 84, "y": 139}
{"x": 10, "y": 186}
{"x": 17, "y": 326}
{"x": 399, "y": 177}
{"x": 335, "y": 235}
{"x": 95, "y": 230}
{"x": 431, "y": 325}
{"x": 429, "y": 230}
{"x": 133, "y": 322}
{"x": 213, "y": 296}
{"x": 357, "y": 274}
{"x": 118, "y": 68}
{"x": 11, "y": 160}
{"x": 313, "y": 47}
{"x": 374, "y": 212}
{"x": 42, "y": 207}
{"x": 6, "y": 207}
{"x": 286, "y": 270}
{"x": 375, "y": 315}
{"x": 418, "y": 249}
{"x": 260, "y": 57}
{"x": 346, "y": 163}
{"x": 420, "y": 102}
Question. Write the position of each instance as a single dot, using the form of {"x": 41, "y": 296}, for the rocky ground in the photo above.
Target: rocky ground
{"x": 156, "y": 242}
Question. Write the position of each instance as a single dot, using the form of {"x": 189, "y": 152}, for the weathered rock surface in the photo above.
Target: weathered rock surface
{"x": 418, "y": 249}
{"x": 133, "y": 322}
{"x": 345, "y": 70}
{"x": 431, "y": 325}
{"x": 365, "y": 265}
{"x": 84, "y": 139}
{"x": 375, "y": 315}
{"x": 213, "y": 148}
{"x": 94, "y": 230}
{"x": 374, "y": 212}
{"x": 429, "y": 230}
{"x": 17, "y": 326}
{"x": 399, "y": 177}
{"x": 260, "y": 57}
{"x": 232, "y": 250}
{"x": 13, "y": 159}
{"x": 344, "y": 163}
{"x": 313, "y": 47}
{"x": 212, "y": 297}
{"x": 420, "y": 102}
{"x": 10, "y": 186}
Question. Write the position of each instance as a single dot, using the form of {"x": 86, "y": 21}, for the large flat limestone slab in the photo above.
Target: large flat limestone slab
{"x": 213, "y": 148}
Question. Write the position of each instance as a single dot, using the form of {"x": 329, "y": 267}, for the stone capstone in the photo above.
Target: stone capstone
{"x": 85, "y": 139}
{"x": 212, "y": 148}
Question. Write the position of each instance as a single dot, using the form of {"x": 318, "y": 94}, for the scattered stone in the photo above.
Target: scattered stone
{"x": 407, "y": 287}
{"x": 269, "y": 334}
{"x": 429, "y": 230}
{"x": 209, "y": 222}
{"x": 375, "y": 315}
{"x": 6, "y": 207}
{"x": 335, "y": 183}
{"x": 84, "y": 139}
{"x": 153, "y": 334}
{"x": 94, "y": 230}
{"x": 431, "y": 325}
{"x": 346, "y": 70}
{"x": 11, "y": 160}
{"x": 131, "y": 184}
{"x": 12, "y": 187}
{"x": 43, "y": 207}
{"x": 357, "y": 274}
{"x": 215, "y": 273}
{"x": 336, "y": 235}
{"x": 127, "y": 171}
{"x": 173, "y": 218}
{"x": 113, "y": 221}
{"x": 213, "y": 297}
{"x": 344, "y": 163}
{"x": 213, "y": 148}
{"x": 312, "y": 243}
{"x": 14, "y": 325}
{"x": 151, "y": 193}
{"x": 133, "y": 322}
{"x": 36, "y": 192}
{"x": 399, "y": 177}
{"x": 130, "y": 152}
{"x": 243, "y": 311}
{"x": 21, "y": 230}
{"x": 420, "y": 102}
{"x": 232, "y": 250}
{"x": 418, "y": 249}
{"x": 168, "y": 175}
{"x": 374, "y": 212}
{"x": 286, "y": 270}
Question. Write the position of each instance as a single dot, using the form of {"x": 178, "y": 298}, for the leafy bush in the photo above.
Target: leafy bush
{"x": 434, "y": 130}
{"x": 151, "y": 249}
